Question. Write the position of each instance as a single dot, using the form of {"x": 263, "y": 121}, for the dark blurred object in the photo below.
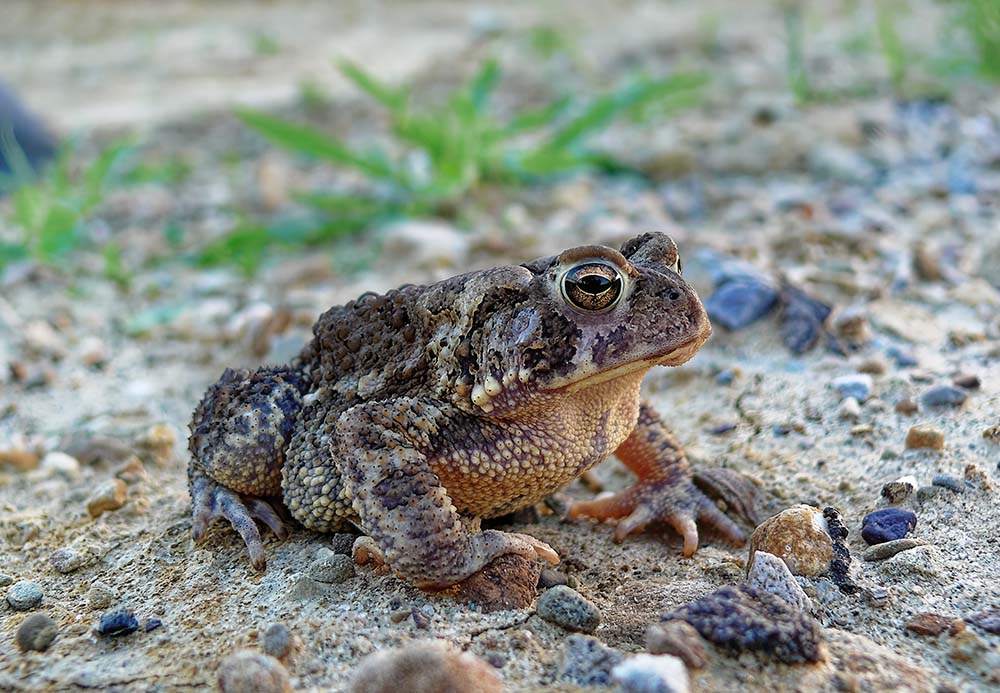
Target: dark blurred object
{"x": 22, "y": 136}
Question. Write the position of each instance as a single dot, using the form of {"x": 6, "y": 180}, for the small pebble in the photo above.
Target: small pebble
{"x": 569, "y": 609}
{"x": 726, "y": 377}
{"x": 925, "y": 560}
{"x": 943, "y": 396}
{"x": 6, "y": 580}
{"x": 550, "y": 577}
{"x": 507, "y": 582}
{"x": 858, "y": 386}
{"x": 988, "y": 620}
{"x": 849, "y": 408}
{"x": 36, "y": 633}
{"x": 152, "y": 624}
{"x": 159, "y": 441}
{"x": 421, "y": 619}
{"x": 906, "y": 406}
{"x": 851, "y": 324}
{"x": 887, "y": 524}
{"x": 873, "y": 366}
{"x": 100, "y": 596}
{"x": 108, "y": 496}
{"x": 648, "y": 673}
{"x": 967, "y": 380}
{"x": 424, "y": 666}
{"x": 251, "y": 671}
{"x": 924, "y": 437}
{"x": 949, "y": 482}
{"x": 586, "y": 661}
{"x": 902, "y": 358}
{"x": 899, "y": 490}
{"x": 770, "y": 574}
{"x": 118, "y": 622}
{"x": 24, "y": 595}
{"x": 802, "y": 318}
{"x": 739, "y": 302}
{"x": 62, "y": 464}
{"x": 928, "y": 624}
{"x": 878, "y": 596}
{"x": 798, "y": 536}
{"x": 66, "y": 560}
{"x": 331, "y": 568}
{"x": 277, "y": 641}
{"x": 21, "y": 460}
{"x": 888, "y": 549}
{"x": 678, "y": 638}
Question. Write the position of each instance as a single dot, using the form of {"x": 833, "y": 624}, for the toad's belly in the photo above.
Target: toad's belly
{"x": 502, "y": 466}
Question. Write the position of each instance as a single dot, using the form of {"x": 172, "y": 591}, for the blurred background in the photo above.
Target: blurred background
{"x": 186, "y": 185}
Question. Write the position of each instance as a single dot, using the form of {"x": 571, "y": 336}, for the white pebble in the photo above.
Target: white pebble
{"x": 646, "y": 673}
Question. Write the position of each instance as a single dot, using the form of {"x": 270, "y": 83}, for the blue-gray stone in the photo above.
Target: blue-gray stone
{"x": 858, "y": 386}
{"x": 887, "y": 524}
{"x": 24, "y": 595}
{"x": 117, "y": 622}
{"x": 943, "y": 396}
{"x": 740, "y": 302}
{"x": 949, "y": 482}
{"x": 34, "y": 143}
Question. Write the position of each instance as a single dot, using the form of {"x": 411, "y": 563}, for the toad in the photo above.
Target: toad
{"x": 414, "y": 414}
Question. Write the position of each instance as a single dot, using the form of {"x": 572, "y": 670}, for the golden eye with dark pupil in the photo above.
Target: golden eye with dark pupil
{"x": 593, "y": 286}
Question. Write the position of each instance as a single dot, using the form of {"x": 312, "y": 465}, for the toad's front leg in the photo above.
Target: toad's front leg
{"x": 665, "y": 490}
{"x": 402, "y": 505}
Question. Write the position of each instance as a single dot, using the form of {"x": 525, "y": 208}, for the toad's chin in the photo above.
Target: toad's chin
{"x": 686, "y": 351}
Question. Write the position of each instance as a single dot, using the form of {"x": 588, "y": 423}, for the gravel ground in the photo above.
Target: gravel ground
{"x": 885, "y": 211}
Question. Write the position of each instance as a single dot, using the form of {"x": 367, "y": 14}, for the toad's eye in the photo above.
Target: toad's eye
{"x": 592, "y": 286}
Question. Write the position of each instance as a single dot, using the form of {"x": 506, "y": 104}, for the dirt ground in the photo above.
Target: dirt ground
{"x": 885, "y": 210}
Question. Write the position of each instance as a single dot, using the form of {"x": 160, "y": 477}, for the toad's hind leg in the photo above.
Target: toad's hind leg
{"x": 239, "y": 434}
{"x": 401, "y": 503}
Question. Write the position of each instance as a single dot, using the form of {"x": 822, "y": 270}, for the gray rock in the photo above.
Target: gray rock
{"x": 277, "y": 640}
{"x": 6, "y": 580}
{"x": 739, "y": 302}
{"x": 943, "y": 396}
{"x": 331, "y": 568}
{"x": 100, "y": 596}
{"x": 24, "y": 595}
{"x": 888, "y": 549}
{"x": 770, "y": 574}
{"x": 586, "y": 661}
{"x": 569, "y": 609}
{"x": 858, "y": 386}
{"x": 31, "y": 136}
{"x": 36, "y": 633}
{"x": 647, "y": 673}
{"x": 839, "y": 163}
{"x": 949, "y": 482}
{"x": 66, "y": 560}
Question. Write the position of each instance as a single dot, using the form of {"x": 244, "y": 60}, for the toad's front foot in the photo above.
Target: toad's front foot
{"x": 210, "y": 500}
{"x": 666, "y": 492}
{"x": 678, "y": 502}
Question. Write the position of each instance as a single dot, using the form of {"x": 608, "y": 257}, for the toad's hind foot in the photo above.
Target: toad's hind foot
{"x": 210, "y": 500}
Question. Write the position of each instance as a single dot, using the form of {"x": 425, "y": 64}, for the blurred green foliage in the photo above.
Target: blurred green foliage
{"x": 48, "y": 211}
{"x": 441, "y": 152}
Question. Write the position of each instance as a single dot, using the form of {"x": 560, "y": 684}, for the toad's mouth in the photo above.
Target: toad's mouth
{"x": 674, "y": 357}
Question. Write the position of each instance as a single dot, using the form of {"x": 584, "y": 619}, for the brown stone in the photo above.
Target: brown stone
{"x": 678, "y": 638}
{"x": 108, "y": 496}
{"x": 906, "y": 406}
{"x": 21, "y": 460}
{"x": 924, "y": 436}
{"x": 798, "y": 536}
{"x": 508, "y": 582}
{"x": 928, "y": 623}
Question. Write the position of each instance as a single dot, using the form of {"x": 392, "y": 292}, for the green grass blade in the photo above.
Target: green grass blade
{"x": 390, "y": 97}
{"x": 483, "y": 85}
{"x": 312, "y": 142}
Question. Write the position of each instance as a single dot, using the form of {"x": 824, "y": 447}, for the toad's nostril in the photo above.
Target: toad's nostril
{"x": 674, "y": 295}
